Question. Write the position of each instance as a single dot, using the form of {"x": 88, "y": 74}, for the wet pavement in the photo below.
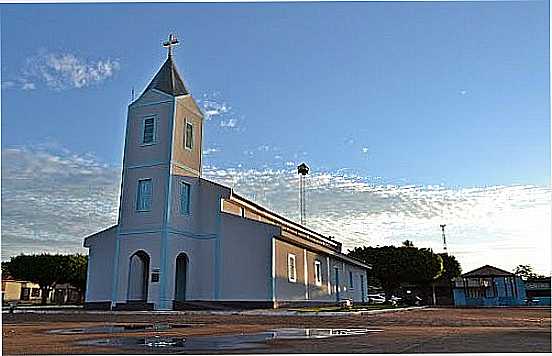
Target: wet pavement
{"x": 121, "y": 328}
{"x": 223, "y": 342}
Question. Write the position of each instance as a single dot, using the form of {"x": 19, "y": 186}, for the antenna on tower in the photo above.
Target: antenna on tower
{"x": 302, "y": 170}
{"x": 444, "y": 237}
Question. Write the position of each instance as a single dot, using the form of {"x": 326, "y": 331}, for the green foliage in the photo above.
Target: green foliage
{"x": 74, "y": 271}
{"x": 451, "y": 267}
{"x": 46, "y": 270}
{"x": 526, "y": 272}
{"x": 395, "y": 265}
{"x": 408, "y": 243}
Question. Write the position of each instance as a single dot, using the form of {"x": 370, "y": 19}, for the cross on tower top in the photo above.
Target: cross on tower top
{"x": 170, "y": 43}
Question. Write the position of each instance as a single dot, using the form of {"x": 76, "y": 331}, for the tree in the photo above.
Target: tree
{"x": 451, "y": 267}
{"x": 75, "y": 270}
{"x": 525, "y": 272}
{"x": 408, "y": 243}
{"x": 395, "y": 265}
{"x": 46, "y": 270}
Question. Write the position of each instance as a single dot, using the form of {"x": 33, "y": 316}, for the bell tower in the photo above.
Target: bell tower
{"x": 163, "y": 140}
{"x": 161, "y": 171}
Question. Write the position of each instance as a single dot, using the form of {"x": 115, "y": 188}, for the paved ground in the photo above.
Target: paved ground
{"x": 428, "y": 330}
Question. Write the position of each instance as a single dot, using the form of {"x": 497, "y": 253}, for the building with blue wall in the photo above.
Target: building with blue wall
{"x": 489, "y": 286}
{"x": 538, "y": 290}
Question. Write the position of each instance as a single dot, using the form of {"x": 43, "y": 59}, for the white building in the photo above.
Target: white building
{"x": 185, "y": 242}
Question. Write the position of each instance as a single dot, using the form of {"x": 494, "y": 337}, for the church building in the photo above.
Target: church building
{"x": 185, "y": 242}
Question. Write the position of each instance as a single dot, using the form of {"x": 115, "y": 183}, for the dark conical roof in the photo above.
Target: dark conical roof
{"x": 168, "y": 80}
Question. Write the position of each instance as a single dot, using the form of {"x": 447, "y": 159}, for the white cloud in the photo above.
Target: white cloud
{"x": 290, "y": 164}
{"x": 214, "y": 107}
{"x": 65, "y": 70}
{"x": 51, "y": 201}
{"x": 365, "y": 150}
{"x": 8, "y": 84}
{"x": 210, "y": 151}
{"x": 28, "y": 86}
{"x": 230, "y": 123}
{"x": 501, "y": 225}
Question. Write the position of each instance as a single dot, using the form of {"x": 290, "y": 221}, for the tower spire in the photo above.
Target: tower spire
{"x": 170, "y": 43}
{"x": 168, "y": 80}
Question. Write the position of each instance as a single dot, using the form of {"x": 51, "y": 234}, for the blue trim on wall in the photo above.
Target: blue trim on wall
{"x": 218, "y": 253}
{"x": 163, "y": 263}
{"x": 148, "y": 165}
{"x": 115, "y": 280}
{"x": 149, "y": 104}
{"x": 186, "y": 234}
{"x": 271, "y": 278}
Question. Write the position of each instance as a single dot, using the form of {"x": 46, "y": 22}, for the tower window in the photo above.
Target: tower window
{"x": 189, "y": 136}
{"x": 149, "y": 131}
{"x": 144, "y": 195}
{"x": 292, "y": 271}
{"x": 318, "y": 273}
{"x": 185, "y": 198}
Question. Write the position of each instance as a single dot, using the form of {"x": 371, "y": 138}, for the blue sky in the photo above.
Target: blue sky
{"x": 438, "y": 93}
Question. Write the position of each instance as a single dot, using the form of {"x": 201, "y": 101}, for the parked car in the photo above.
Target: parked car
{"x": 376, "y": 299}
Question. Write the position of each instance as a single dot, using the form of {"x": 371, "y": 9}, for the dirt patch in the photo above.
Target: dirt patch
{"x": 425, "y": 330}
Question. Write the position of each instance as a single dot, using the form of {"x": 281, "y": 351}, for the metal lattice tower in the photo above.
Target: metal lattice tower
{"x": 302, "y": 170}
{"x": 444, "y": 237}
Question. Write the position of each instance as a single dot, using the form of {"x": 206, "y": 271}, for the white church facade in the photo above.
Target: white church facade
{"x": 184, "y": 242}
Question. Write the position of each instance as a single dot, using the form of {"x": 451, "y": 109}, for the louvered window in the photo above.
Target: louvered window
{"x": 144, "y": 196}
{"x": 149, "y": 130}
{"x": 189, "y": 136}
{"x": 185, "y": 198}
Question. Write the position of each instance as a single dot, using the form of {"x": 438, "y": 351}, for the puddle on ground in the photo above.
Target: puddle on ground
{"x": 223, "y": 342}
{"x": 120, "y": 328}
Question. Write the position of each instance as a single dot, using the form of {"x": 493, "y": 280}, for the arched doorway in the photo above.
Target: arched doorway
{"x": 138, "y": 277}
{"x": 181, "y": 276}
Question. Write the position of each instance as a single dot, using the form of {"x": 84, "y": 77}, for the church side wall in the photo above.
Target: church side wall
{"x": 246, "y": 262}
{"x": 322, "y": 291}
{"x": 346, "y": 289}
{"x": 286, "y": 290}
{"x": 305, "y": 287}
{"x": 100, "y": 267}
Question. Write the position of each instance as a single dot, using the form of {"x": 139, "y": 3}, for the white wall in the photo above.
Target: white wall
{"x": 245, "y": 250}
{"x": 100, "y": 266}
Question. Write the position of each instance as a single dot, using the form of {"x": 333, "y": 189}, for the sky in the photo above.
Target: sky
{"x": 410, "y": 115}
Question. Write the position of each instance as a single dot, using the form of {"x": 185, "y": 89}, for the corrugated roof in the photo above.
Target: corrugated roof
{"x": 168, "y": 80}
